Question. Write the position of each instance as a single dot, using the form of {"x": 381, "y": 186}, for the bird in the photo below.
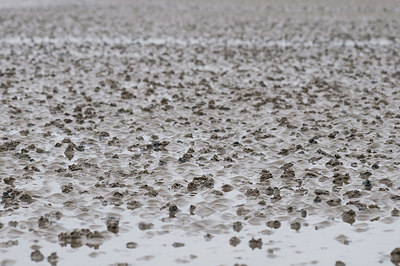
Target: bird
{"x": 69, "y": 152}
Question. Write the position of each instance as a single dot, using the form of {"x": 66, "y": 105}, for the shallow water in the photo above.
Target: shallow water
{"x": 162, "y": 134}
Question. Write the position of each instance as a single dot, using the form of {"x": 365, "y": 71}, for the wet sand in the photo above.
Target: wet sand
{"x": 174, "y": 132}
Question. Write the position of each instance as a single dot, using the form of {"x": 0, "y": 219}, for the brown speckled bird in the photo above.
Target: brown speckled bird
{"x": 69, "y": 152}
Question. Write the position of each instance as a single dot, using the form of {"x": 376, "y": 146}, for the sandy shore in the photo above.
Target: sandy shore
{"x": 176, "y": 132}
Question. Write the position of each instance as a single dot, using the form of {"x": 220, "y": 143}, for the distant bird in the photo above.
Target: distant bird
{"x": 367, "y": 184}
{"x": 69, "y": 152}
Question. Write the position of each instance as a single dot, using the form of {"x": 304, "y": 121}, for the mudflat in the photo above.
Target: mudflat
{"x": 199, "y": 132}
